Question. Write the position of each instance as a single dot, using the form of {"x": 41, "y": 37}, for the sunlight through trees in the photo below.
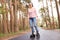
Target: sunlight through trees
{"x": 13, "y": 15}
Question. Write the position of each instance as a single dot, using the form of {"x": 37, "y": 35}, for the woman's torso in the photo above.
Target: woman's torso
{"x": 31, "y": 12}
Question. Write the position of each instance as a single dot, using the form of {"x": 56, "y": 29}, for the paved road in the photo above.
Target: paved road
{"x": 44, "y": 35}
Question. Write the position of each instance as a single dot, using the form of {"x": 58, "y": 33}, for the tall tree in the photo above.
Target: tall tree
{"x": 11, "y": 16}
{"x": 58, "y": 12}
{"x": 0, "y": 23}
{"x": 48, "y": 13}
{"x": 52, "y": 15}
{"x": 27, "y": 1}
{"x": 4, "y": 17}
{"x": 59, "y": 2}
{"x": 8, "y": 23}
{"x": 1, "y": 18}
{"x": 44, "y": 13}
{"x": 42, "y": 10}
{"x": 15, "y": 16}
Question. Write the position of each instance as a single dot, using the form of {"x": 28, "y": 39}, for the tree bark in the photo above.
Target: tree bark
{"x": 0, "y": 24}
{"x": 15, "y": 17}
{"x": 11, "y": 16}
{"x": 59, "y": 2}
{"x": 52, "y": 15}
{"x": 45, "y": 13}
{"x": 58, "y": 12}
{"x": 4, "y": 18}
{"x": 48, "y": 13}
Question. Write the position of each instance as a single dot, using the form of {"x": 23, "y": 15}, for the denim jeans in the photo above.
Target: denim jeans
{"x": 33, "y": 24}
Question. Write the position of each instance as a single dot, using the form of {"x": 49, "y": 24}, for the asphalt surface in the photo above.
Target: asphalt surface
{"x": 44, "y": 35}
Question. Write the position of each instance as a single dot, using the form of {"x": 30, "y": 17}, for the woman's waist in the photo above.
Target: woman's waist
{"x": 32, "y": 16}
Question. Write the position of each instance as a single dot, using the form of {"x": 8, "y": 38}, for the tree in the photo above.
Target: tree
{"x": 0, "y": 18}
{"x": 42, "y": 11}
{"x": 0, "y": 24}
{"x": 48, "y": 13}
{"x": 7, "y": 18}
{"x": 15, "y": 16}
{"x": 11, "y": 15}
{"x": 4, "y": 17}
{"x": 23, "y": 8}
{"x": 27, "y": 1}
{"x": 44, "y": 8}
{"x": 59, "y": 2}
{"x": 52, "y": 14}
{"x": 58, "y": 12}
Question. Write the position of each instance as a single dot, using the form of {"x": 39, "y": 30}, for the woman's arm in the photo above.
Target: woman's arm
{"x": 35, "y": 13}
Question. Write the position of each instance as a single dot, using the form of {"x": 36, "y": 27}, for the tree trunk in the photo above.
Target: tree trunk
{"x": 45, "y": 13}
{"x": 19, "y": 20}
{"x": 23, "y": 23}
{"x": 11, "y": 17}
{"x": 48, "y": 13}
{"x": 59, "y": 2}
{"x": 15, "y": 17}
{"x": 4, "y": 18}
{"x": 52, "y": 15}
{"x": 0, "y": 23}
{"x": 4, "y": 23}
{"x": 1, "y": 27}
{"x": 58, "y": 12}
{"x": 8, "y": 22}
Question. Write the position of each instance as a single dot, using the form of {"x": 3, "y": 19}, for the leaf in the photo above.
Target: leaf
{"x": 27, "y": 1}
{"x": 2, "y": 10}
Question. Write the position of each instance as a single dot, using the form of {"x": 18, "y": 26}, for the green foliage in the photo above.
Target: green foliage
{"x": 40, "y": 0}
{"x": 13, "y": 33}
{"x": 42, "y": 10}
{"x": 9, "y": 34}
{"x": 2, "y": 10}
{"x": 1, "y": 35}
{"x": 44, "y": 15}
{"x": 27, "y": 1}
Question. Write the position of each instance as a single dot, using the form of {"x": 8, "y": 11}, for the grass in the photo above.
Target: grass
{"x": 11, "y": 33}
{"x": 1, "y": 34}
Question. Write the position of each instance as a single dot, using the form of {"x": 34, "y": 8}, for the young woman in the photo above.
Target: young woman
{"x": 32, "y": 19}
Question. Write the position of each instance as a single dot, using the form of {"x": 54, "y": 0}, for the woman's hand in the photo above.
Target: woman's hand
{"x": 36, "y": 17}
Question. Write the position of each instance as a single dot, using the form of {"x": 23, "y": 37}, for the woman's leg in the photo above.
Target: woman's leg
{"x": 31, "y": 25}
{"x": 35, "y": 24}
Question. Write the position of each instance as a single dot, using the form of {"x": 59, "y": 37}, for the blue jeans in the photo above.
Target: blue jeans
{"x": 33, "y": 24}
